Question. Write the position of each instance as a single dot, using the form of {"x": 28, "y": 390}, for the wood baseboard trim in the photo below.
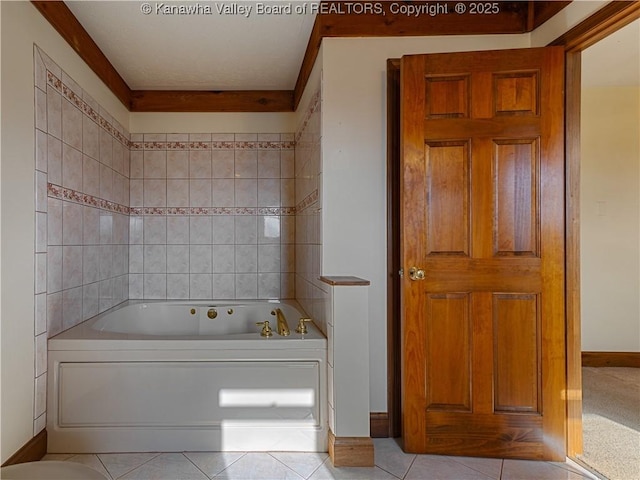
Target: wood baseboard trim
{"x": 379, "y": 424}
{"x": 611, "y": 359}
{"x": 32, "y": 451}
{"x": 351, "y": 451}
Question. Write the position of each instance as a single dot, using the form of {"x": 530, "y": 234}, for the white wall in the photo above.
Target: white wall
{"x": 22, "y": 26}
{"x": 354, "y": 166}
{"x": 564, "y": 20}
{"x": 212, "y": 122}
{"x": 610, "y": 218}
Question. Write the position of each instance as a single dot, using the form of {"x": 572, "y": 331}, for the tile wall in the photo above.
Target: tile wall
{"x": 212, "y": 216}
{"x": 203, "y": 216}
{"x": 175, "y": 216}
{"x": 311, "y": 293}
{"x": 82, "y": 197}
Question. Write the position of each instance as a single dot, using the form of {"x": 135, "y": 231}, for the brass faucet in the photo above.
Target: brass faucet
{"x": 266, "y": 329}
{"x": 302, "y": 328}
{"x": 283, "y": 326}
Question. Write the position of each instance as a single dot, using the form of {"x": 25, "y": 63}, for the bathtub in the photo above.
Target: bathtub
{"x": 187, "y": 376}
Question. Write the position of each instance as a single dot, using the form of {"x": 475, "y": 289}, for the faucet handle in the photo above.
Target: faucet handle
{"x": 302, "y": 328}
{"x": 266, "y": 329}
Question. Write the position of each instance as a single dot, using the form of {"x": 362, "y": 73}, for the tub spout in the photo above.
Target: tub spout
{"x": 283, "y": 326}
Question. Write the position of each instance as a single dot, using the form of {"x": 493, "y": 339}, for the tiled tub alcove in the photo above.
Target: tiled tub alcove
{"x": 212, "y": 216}
{"x": 82, "y": 207}
{"x": 157, "y": 216}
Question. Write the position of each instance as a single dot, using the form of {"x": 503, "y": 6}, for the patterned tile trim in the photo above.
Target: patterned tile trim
{"x": 61, "y": 193}
{"x": 307, "y": 201}
{"x": 84, "y": 107}
{"x": 195, "y": 211}
{"x": 281, "y": 145}
{"x": 223, "y": 145}
{"x": 314, "y": 106}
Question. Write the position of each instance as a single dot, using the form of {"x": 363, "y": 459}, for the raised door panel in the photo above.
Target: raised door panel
{"x": 448, "y": 361}
{"x": 447, "y": 96}
{"x": 517, "y": 374}
{"x": 447, "y": 169}
{"x": 515, "y": 197}
{"x": 516, "y": 93}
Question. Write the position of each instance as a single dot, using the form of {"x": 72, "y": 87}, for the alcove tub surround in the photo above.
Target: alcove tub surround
{"x": 212, "y": 216}
{"x": 311, "y": 293}
{"x": 158, "y": 216}
{"x": 81, "y": 202}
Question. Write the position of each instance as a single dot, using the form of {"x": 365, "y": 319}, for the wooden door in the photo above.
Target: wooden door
{"x": 482, "y": 200}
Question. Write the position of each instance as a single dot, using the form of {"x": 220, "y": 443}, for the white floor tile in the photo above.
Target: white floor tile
{"x": 532, "y": 470}
{"x": 119, "y": 464}
{"x": 576, "y": 467}
{"x": 391, "y": 464}
{"x": 390, "y": 457}
{"x": 167, "y": 466}
{"x": 491, "y": 467}
{"x": 212, "y": 463}
{"x": 258, "y": 466}
{"x": 328, "y": 472}
{"x": 304, "y": 464}
{"x": 90, "y": 461}
{"x": 435, "y": 467}
{"x": 59, "y": 457}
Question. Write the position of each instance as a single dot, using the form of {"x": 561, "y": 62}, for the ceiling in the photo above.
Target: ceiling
{"x": 239, "y": 46}
{"x": 205, "y": 51}
{"x": 246, "y": 60}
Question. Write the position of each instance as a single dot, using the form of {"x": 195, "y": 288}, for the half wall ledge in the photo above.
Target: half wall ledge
{"x": 350, "y": 443}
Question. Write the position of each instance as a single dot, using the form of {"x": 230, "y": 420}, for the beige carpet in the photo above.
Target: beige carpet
{"x": 611, "y": 421}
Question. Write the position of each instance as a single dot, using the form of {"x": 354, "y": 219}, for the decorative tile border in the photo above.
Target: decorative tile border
{"x": 84, "y": 107}
{"x": 196, "y": 211}
{"x": 307, "y": 201}
{"x": 154, "y": 145}
{"x": 277, "y": 211}
{"x": 223, "y": 145}
{"x": 200, "y": 146}
{"x": 61, "y": 193}
{"x": 314, "y": 106}
{"x": 280, "y": 145}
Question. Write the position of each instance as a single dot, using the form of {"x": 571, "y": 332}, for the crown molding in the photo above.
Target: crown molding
{"x": 602, "y": 23}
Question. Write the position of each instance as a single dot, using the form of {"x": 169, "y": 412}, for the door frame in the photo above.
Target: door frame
{"x": 602, "y": 23}
{"x": 394, "y": 360}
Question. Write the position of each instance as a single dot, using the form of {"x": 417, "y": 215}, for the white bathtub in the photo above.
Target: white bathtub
{"x": 164, "y": 376}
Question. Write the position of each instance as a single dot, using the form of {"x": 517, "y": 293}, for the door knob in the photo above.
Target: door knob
{"x": 416, "y": 274}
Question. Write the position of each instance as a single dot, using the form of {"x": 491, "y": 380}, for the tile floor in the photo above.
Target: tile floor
{"x": 391, "y": 464}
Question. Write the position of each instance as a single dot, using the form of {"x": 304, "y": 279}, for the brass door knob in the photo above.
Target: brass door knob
{"x": 416, "y": 274}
